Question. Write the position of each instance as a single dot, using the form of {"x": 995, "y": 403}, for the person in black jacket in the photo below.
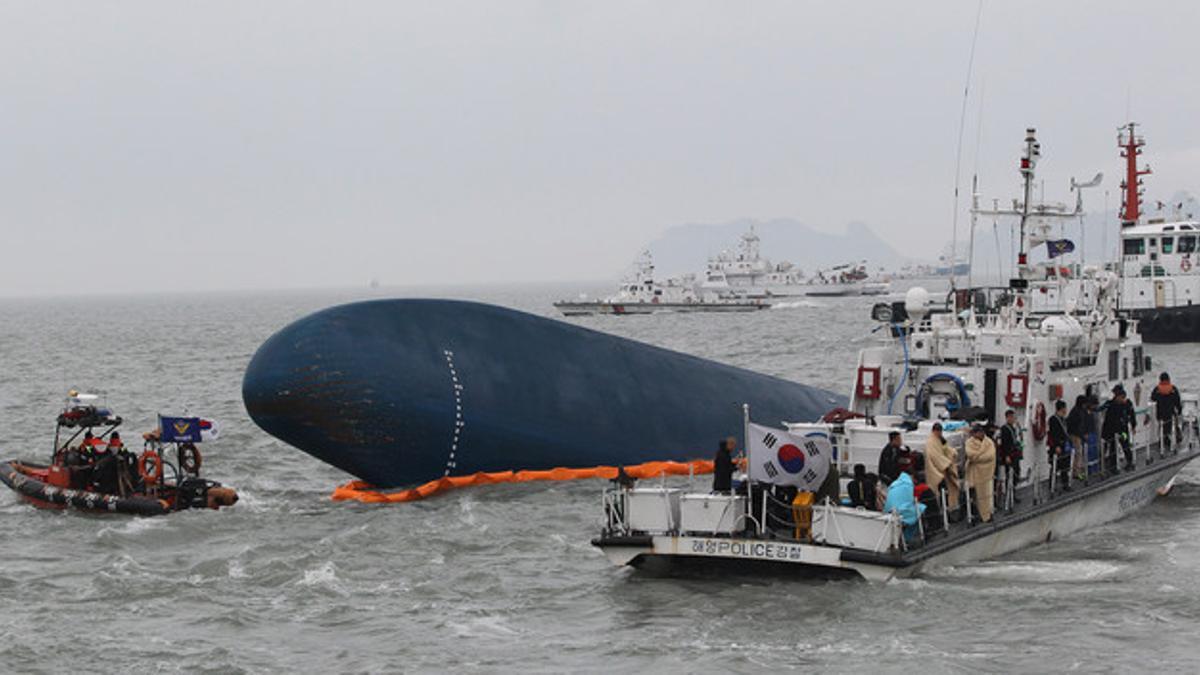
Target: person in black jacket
{"x": 1167, "y": 405}
{"x": 889, "y": 459}
{"x": 1011, "y": 450}
{"x": 723, "y": 466}
{"x": 862, "y": 489}
{"x": 1057, "y": 443}
{"x": 1120, "y": 421}
{"x": 1077, "y": 427}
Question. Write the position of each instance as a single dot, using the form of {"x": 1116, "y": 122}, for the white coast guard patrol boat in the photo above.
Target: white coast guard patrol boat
{"x": 640, "y": 293}
{"x": 983, "y": 351}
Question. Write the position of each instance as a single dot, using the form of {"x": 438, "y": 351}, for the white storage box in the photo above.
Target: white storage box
{"x": 653, "y": 510}
{"x": 711, "y": 514}
{"x": 855, "y": 528}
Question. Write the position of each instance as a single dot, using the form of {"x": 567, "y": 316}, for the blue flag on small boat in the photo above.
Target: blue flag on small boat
{"x": 1058, "y": 247}
{"x": 179, "y": 429}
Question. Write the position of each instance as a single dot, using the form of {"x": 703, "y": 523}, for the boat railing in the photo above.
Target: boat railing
{"x": 613, "y": 504}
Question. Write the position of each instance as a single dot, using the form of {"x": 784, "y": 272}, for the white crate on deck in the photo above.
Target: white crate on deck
{"x": 855, "y": 528}
{"x": 653, "y": 510}
{"x": 715, "y": 514}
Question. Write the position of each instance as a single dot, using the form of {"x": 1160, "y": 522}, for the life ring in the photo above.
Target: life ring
{"x": 1185, "y": 264}
{"x": 151, "y": 476}
{"x": 1038, "y": 425}
{"x": 189, "y": 458}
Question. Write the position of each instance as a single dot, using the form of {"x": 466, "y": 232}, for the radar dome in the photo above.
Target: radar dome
{"x": 916, "y": 303}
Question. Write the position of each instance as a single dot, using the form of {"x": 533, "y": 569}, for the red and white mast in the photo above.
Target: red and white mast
{"x": 1131, "y": 146}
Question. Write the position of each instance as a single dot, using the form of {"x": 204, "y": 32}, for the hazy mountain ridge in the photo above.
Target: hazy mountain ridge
{"x": 686, "y": 248}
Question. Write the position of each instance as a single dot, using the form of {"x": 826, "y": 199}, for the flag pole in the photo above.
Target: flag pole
{"x": 746, "y": 452}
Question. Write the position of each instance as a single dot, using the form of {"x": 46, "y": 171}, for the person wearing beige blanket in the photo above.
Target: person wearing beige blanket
{"x": 981, "y": 471}
{"x": 941, "y": 464}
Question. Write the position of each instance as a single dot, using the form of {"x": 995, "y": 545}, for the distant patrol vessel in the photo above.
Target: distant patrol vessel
{"x": 746, "y": 271}
{"x": 640, "y": 293}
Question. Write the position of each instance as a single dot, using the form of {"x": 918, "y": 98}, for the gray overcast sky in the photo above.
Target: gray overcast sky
{"x": 172, "y": 145}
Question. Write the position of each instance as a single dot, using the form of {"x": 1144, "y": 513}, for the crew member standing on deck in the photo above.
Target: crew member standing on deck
{"x": 1077, "y": 427}
{"x": 889, "y": 459}
{"x": 1011, "y": 451}
{"x": 723, "y": 466}
{"x": 981, "y": 470}
{"x": 1120, "y": 421}
{"x": 1058, "y": 444}
{"x": 1167, "y": 406}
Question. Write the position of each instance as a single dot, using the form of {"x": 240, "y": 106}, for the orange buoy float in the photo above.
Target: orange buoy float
{"x": 361, "y": 491}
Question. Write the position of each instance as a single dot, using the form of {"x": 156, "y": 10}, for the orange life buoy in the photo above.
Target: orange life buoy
{"x": 151, "y": 475}
{"x": 189, "y": 458}
{"x": 1038, "y": 425}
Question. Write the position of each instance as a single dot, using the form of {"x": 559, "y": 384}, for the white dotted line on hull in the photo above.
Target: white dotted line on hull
{"x": 452, "y": 461}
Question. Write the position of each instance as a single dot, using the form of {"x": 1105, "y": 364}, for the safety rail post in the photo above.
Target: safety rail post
{"x": 1053, "y": 472}
{"x": 945, "y": 513}
{"x": 1036, "y": 481}
{"x": 967, "y": 491}
{"x": 762, "y": 525}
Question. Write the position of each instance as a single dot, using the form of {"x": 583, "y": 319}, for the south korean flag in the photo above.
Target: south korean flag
{"x": 783, "y": 458}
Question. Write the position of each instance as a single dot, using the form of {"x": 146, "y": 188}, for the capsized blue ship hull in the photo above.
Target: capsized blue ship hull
{"x": 398, "y": 392}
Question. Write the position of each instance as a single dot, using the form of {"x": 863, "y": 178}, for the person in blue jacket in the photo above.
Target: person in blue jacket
{"x": 900, "y": 499}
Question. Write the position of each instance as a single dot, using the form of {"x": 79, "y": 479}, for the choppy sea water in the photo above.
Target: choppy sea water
{"x": 503, "y": 578}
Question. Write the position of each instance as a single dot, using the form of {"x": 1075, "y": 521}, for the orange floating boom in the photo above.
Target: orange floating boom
{"x": 360, "y": 491}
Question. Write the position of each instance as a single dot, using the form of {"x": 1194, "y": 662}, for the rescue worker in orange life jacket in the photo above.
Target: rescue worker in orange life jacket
{"x": 87, "y": 447}
{"x": 104, "y": 471}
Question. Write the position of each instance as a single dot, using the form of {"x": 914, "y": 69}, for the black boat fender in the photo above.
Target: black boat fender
{"x": 81, "y": 499}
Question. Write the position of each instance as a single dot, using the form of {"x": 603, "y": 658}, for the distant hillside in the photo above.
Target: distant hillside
{"x": 685, "y": 248}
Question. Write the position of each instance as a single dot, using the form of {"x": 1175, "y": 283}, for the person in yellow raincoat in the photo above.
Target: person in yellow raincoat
{"x": 981, "y": 470}
{"x": 941, "y": 464}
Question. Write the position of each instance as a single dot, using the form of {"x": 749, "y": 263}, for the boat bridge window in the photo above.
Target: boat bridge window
{"x": 1187, "y": 244}
{"x": 1135, "y": 246}
{"x": 1168, "y": 244}
{"x": 1139, "y": 363}
{"x": 1156, "y": 271}
{"x": 1114, "y": 365}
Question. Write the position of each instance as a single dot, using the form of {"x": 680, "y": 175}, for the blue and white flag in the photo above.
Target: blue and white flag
{"x": 179, "y": 429}
{"x": 1057, "y": 247}
{"x": 783, "y": 458}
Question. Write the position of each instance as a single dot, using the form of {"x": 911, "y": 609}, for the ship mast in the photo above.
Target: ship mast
{"x": 1034, "y": 229}
{"x": 1131, "y": 146}
{"x": 1033, "y": 150}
